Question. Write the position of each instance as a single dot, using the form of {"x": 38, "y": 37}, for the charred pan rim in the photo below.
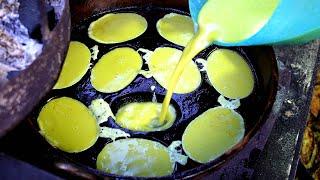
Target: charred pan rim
{"x": 21, "y": 94}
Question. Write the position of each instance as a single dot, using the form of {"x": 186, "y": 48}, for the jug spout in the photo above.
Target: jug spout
{"x": 195, "y": 7}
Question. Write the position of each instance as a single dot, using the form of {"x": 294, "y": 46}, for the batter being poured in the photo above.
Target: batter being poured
{"x": 218, "y": 22}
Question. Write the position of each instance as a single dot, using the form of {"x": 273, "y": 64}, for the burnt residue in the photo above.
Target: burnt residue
{"x": 24, "y": 91}
{"x": 254, "y": 108}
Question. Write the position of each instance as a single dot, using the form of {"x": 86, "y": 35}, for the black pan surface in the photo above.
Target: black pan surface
{"x": 254, "y": 108}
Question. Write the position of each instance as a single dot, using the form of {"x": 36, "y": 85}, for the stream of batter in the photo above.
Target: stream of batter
{"x": 227, "y": 21}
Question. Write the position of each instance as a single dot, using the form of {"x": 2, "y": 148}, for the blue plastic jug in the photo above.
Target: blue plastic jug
{"x": 293, "y": 22}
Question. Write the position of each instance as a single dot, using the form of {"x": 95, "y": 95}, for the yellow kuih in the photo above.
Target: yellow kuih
{"x": 230, "y": 74}
{"x": 116, "y": 70}
{"x": 116, "y": 28}
{"x": 135, "y": 157}
{"x": 75, "y": 65}
{"x": 176, "y": 28}
{"x": 144, "y": 117}
{"x": 68, "y": 125}
{"x": 162, "y": 64}
{"x": 212, "y": 134}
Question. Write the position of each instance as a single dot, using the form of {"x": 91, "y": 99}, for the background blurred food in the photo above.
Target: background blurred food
{"x": 310, "y": 154}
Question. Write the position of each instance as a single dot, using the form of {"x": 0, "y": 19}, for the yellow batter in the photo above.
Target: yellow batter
{"x": 176, "y": 28}
{"x": 116, "y": 28}
{"x": 144, "y": 117}
{"x": 162, "y": 64}
{"x": 229, "y": 74}
{"x": 212, "y": 134}
{"x": 219, "y": 22}
{"x": 116, "y": 70}
{"x": 75, "y": 65}
{"x": 135, "y": 157}
{"x": 68, "y": 125}
{"x": 233, "y": 21}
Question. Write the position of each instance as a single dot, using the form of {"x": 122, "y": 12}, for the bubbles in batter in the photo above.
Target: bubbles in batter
{"x": 143, "y": 116}
{"x": 230, "y": 74}
{"x": 116, "y": 28}
{"x": 68, "y": 125}
{"x": 212, "y": 134}
{"x": 176, "y": 28}
{"x": 116, "y": 70}
{"x": 162, "y": 63}
{"x": 75, "y": 65}
{"x": 101, "y": 110}
{"x": 137, "y": 157}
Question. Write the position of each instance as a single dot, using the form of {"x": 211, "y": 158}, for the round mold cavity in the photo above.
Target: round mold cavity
{"x": 121, "y": 101}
